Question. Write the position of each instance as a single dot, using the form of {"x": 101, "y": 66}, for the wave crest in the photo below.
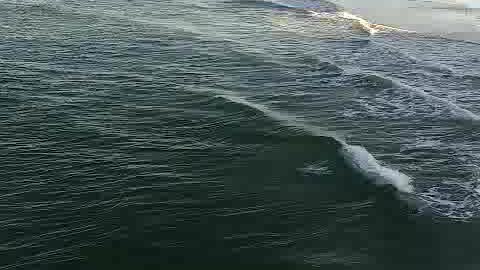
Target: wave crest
{"x": 364, "y": 162}
{"x": 370, "y": 28}
{"x": 357, "y": 156}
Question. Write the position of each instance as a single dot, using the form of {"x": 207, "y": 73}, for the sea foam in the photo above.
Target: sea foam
{"x": 364, "y": 162}
{"x": 369, "y": 27}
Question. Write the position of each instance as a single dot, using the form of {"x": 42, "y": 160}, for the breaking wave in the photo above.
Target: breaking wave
{"x": 331, "y": 11}
{"x": 368, "y": 27}
{"x": 356, "y": 156}
{"x": 365, "y": 163}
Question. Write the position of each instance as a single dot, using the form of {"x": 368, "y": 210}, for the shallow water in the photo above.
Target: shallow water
{"x": 225, "y": 134}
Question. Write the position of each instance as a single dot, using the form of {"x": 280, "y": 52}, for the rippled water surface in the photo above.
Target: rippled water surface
{"x": 224, "y": 134}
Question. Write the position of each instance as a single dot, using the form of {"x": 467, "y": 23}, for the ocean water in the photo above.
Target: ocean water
{"x": 225, "y": 134}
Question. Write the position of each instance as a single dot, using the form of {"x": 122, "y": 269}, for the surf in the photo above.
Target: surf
{"x": 455, "y": 110}
{"x": 369, "y": 27}
{"x": 357, "y": 157}
{"x": 332, "y": 11}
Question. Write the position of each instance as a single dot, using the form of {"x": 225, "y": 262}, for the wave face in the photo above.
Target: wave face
{"x": 237, "y": 133}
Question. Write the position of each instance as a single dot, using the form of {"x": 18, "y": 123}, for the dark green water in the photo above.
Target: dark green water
{"x": 212, "y": 134}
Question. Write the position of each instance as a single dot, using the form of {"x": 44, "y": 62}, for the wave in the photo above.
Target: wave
{"x": 356, "y": 156}
{"x": 368, "y": 27}
{"x": 328, "y": 10}
{"x": 365, "y": 163}
{"x": 436, "y": 200}
{"x": 426, "y": 65}
{"x": 307, "y": 5}
{"x": 273, "y": 3}
{"x": 456, "y": 111}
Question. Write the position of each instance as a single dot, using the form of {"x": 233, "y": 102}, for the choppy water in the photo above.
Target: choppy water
{"x": 224, "y": 134}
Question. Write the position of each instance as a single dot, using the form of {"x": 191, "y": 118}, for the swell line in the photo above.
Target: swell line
{"x": 456, "y": 110}
{"x": 356, "y": 156}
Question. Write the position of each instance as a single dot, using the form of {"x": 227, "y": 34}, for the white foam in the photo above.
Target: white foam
{"x": 364, "y": 24}
{"x": 457, "y": 200}
{"x": 281, "y": 3}
{"x": 298, "y": 4}
{"x": 367, "y": 26}
{"x": 366, "y": 163}
{"x": 428, "y": 65}
{"x": 324, "y": 15}
{"x": 317, "y": 168}
{"x": 456, "y": 110}
{"x": 286, "y": 119}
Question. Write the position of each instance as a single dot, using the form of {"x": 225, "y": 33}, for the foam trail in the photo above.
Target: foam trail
{"x": 370, "y": 28}
{"x": 456, "y": 110}
{"x": 281, "y": 3}
{"x": 364, "y": 24}
{"x": 304, "y": 5}
{"x": 430, "y": 66}
{"x": 357, "y": 156}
